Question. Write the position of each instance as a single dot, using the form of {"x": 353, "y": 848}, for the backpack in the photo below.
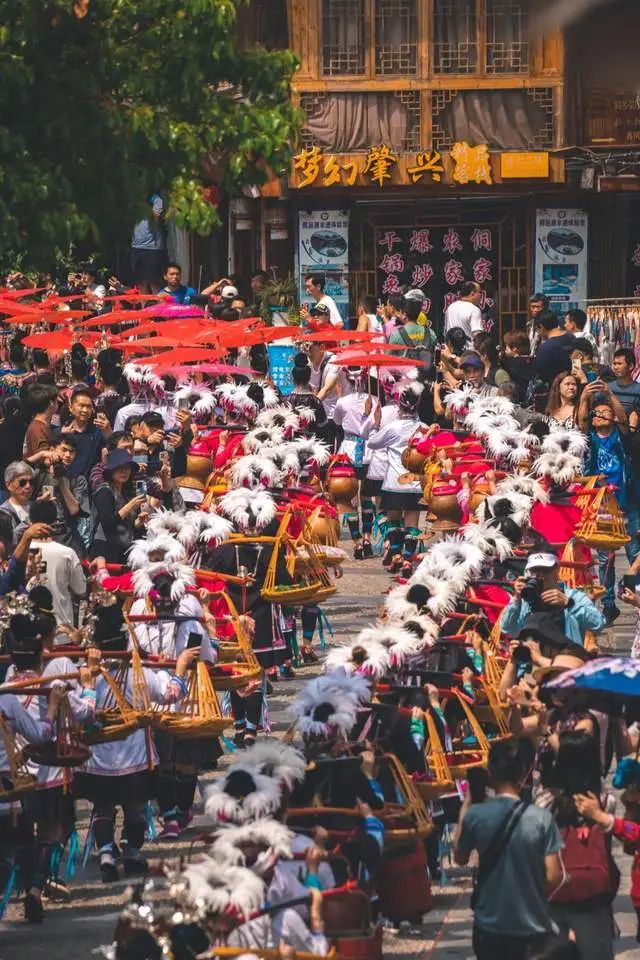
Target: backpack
{"x": 418, "y": 351}
{"x": 591, "y": 870}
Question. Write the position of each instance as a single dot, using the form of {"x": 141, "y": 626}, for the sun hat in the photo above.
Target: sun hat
{"x": 540, "y": 561}
{"x": 119, "y": 458}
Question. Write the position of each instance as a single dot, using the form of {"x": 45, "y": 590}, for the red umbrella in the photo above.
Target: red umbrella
{"x": 373, "y": 347}
{"x": 144, "y": 343}
{"x": 172, "y": 310}
{"x": 179, "y": 356}
{"x": 329, "y": 335}
{"x": 134, "y": 297}
{"x": 58, "y": 340}
{"x": 216, "y": 370}
{"x": 16, "y": 294}
{"x": 374, "y": 360}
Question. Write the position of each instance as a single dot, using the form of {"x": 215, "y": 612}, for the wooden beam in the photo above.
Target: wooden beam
{"x": 394, "y": 84}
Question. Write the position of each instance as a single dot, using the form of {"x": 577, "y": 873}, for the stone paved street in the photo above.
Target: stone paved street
{"x": 72, "y": 931}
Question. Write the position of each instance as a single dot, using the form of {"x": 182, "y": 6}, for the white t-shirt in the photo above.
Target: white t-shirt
{"x": 320, "y": 375}
{"x": 335, "y": 316}
{"x": 466, "y": 315}
{"x": 64, "y": 576}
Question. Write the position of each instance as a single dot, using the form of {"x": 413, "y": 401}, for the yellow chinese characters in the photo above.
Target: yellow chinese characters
{"x": 472, "y": 164}
{"x": 308, "y": 162}
{"x": 427, "y": 162}
{"x": 380, "y": 161}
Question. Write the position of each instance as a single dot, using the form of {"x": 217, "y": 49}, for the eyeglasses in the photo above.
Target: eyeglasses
{"x": 25, "y": 481}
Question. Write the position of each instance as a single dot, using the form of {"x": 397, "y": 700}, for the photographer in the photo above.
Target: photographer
{"x": 70, "y": 494}
{"x": 539, "y": 590}
{"x": 601, "y": 416}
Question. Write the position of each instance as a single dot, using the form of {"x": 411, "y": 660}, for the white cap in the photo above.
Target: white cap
{"x": 229, "y": 292}
{"x": 536, "y": 561}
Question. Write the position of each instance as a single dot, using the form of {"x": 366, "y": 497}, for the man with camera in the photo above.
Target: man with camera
{"x": 540, "y": 591}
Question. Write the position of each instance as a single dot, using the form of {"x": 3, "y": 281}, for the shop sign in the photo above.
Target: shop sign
{"x": 438, "y": 260}
{"x": 561, "y": 257}
{"x": 382, "y": 166}
{"x": 524, "y": 166}
{"x": 632, "y": 287}
{"x": 323, "y": 247}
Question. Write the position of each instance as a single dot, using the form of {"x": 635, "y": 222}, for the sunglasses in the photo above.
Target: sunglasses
{"x": 25, "y": 481}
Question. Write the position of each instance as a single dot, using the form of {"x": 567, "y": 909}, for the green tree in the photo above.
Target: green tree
{"x": 98, "y": 111}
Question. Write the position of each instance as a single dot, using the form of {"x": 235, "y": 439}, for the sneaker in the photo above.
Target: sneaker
{"x": 135, "y": 867}
{"x": 610, "y": 614}
{"x": 358, "y": 552}
{"x": 367, "y": 549}
{"x": 308, "y": 655}
{"x": 238, "y": 740}
{"x": 170, "y": 830}
{"x": 108, "y": 869}
{"x": 33, "y": 910}
{"x": 184, "y": 819}
{"x": 387, "y": 555}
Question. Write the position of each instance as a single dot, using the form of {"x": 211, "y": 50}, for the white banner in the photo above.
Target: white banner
{"x": 323, "y": 247}
{"x": 561, "y": 257}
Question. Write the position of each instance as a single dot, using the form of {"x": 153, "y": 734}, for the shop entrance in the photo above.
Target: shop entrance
{"x": 399, "y": 246}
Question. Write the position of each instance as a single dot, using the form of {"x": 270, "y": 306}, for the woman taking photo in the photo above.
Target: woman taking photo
{"x": 562, "y": 405}
{"x": 116, "y": 508}
{"x": 582, "y": 905}
{"x": 494, "y": 374}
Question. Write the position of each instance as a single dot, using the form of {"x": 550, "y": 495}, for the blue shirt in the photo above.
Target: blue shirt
{"x": 608, "y": 457}
{"x": 182, "y": 295}
{"x": 89, "y": 445}
{"x": 581, "y": 616}
{"x": 147, "y": 235}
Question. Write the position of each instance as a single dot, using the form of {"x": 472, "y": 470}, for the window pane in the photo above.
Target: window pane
{"x": 396, "y": 36}
{"x": 507, "y": 36}
{"x": 455, "y": 45}
{"x": 342, "y": 37}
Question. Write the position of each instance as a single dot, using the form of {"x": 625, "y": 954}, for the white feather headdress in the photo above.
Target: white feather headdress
{"x": 280, "y": 416}
{"x": 499, "y": 506}
{"x": 248, "y": 509}
{"x": 487, "y": 406}
{"x": 211, "y": 528}
{"x": 201, "y": 400}
{"x": 276, "y": 759}
{"x": 215, "y": 888}
{"x": 488, "y": 539}
{"x": 442, "y": 591}
{"x": 561, "y": 468}
{"x": 375, "y": 664}
{"x": 459, "y": 400}
{"x": 572, "y": 442}
{"x": 142, "y": 379}
{"x": 337, "y": 697}
{"x": 306, "y": 450}
{"x": 182, "y": 526}
{"x": 258, "y": 440}
{"x": 170, "y": 549}
{"x": 271, "y": 836}
{"x": 455, "y": 557}
{"x": 526, "y": 486}
{"x": 243, "y": 795}
{"x": 182, "y": 574}
{"x": 254, "y": 471}
{"x": 398, "y": 642}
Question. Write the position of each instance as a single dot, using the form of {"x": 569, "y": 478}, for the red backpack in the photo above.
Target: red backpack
{"x": 591, "y": 870}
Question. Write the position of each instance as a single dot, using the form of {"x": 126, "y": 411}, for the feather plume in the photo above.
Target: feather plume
{"x": 375, "y": 664}
{"x": 276, "y": 759}
{"x": 561, "y": 468}
{"x": 526, "y": 486}
{"x": 183, "y": 577}
{"x": 182, "y": 526}
{"x": 248, "y": 509}
{"x": 263, "y": 799}
{"x": 214, "y": 888}
{"x": 170, "y": 550}
{"x": 340, "y": 693}
{"x": 509, "y": 504}
{"x": 271, "y": 837}
{"x": 488, "y": 539}
{"x": 254, "y": 471}
{"x": 258, "y": 440}
{"x": 572, "y": 442}
{"x": 443, "y": 589}
{"x": 280, "y": 416}
{"x": 458, "y": 401}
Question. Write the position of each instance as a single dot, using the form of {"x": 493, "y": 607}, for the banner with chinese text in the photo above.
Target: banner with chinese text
{"x": 632, "y": 287}
{"x": 561, "y": 257}
{"x": 439, "y": 260}
{"x": 323, "y": 247}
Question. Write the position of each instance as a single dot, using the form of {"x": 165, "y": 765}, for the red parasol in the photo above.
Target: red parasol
{"x": 134, "y": 297}
{"x": 145, "y": 343}
{"x": 373, "y": 360}
{"x": 329, "y": 335}
{"x": 58, "y": 340}
{"x": 180, "y": 355}
{"x": 380, "y": 347}
{"x": 172, "y": 310}
{"x": 16, "y": 294}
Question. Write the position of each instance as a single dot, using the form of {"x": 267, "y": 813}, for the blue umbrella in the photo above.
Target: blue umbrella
{"x": 612, "y": 676}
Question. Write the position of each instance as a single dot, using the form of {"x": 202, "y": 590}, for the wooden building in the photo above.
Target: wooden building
{"x": 450, "y": 139}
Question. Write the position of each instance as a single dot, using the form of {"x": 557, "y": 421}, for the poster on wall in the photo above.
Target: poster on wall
{"x": 323, "y": 247}
{"x": 561, "y": 257}
{"x": 438, "y": 260}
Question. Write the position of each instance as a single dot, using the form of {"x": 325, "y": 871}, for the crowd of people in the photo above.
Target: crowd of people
{"x": 168, "y": 533}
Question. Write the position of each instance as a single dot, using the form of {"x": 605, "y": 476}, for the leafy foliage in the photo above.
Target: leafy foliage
{"x": 99, "y": 112}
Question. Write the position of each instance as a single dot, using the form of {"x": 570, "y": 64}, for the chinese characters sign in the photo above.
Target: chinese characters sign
{"x": 633, "y": 256}
{"x": 382, "y": 166}
{"x": 438, "y": 260}
{"x": 561, "y": 257}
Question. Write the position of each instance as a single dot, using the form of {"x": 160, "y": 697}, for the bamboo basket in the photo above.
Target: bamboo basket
{"x": 198, "y": 714}
{"x": 442, "y": 781}
{"x": 413, "y": 808}
{"x": 16, "y": 781}
{"x": 602, "y": 526}
{"x": 117, "y": 718}
{"x": 290, "y": 594}
{"x": 66, "y": 750}
{"x": 462, "y": 759}
{"x": 576, "y": 574}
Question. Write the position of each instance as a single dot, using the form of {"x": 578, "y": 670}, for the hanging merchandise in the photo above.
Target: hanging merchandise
{"x": 614, "y": 324}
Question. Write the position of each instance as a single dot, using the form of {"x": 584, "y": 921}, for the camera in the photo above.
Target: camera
{"x": 437, "y": 354}
{"x": 59, "y": 470}
{"x": 532, "y": 590}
